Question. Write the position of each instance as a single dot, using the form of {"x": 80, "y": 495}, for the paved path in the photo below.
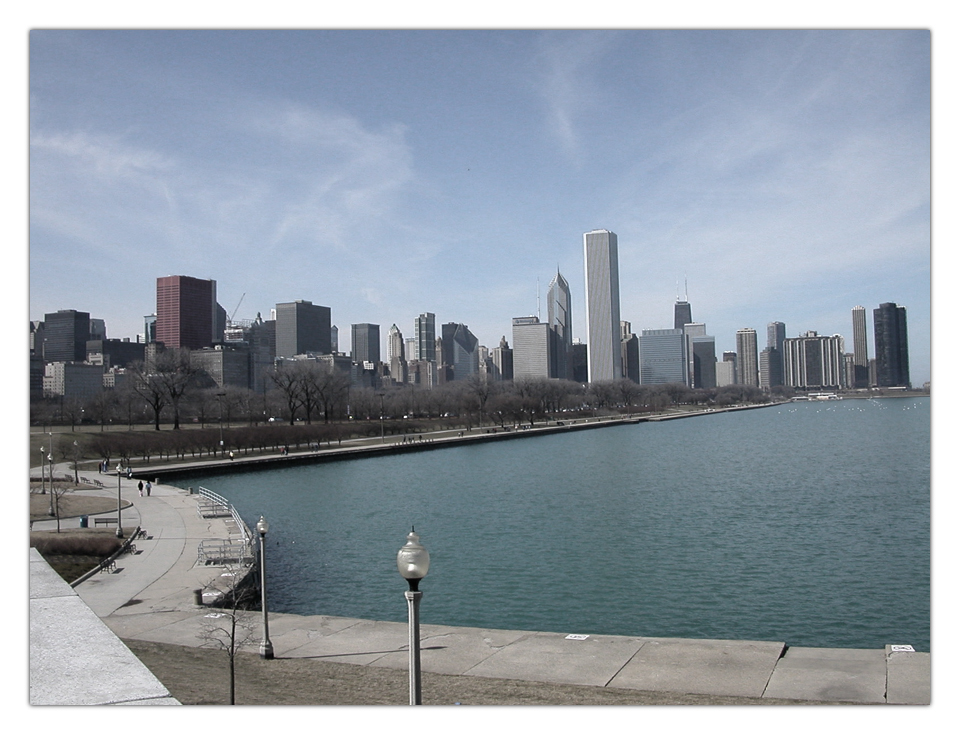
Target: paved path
{"x": 151, "y": 597}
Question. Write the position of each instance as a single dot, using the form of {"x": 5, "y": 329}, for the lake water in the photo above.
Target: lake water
{"x": 807, "y": 523}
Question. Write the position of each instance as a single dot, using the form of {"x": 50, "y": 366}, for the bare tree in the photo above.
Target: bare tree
{"x": 285, "y": 377}
{"x": 234, "y": 625}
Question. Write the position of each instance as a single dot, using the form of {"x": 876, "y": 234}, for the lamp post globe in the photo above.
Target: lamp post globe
{"x": 413, "y": 562}
{"x": 266, "y": 647}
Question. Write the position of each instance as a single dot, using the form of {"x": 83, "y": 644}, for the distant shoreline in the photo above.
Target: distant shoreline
{"x": 354, "y": 449}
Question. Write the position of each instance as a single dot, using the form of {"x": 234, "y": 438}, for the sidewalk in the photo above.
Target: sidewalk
{"x": 151, "y": 598}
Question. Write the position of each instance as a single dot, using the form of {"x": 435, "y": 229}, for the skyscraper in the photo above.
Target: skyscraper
{"x": 771, "y": 358}
{"x": 663, "y": 356}
{"x": 861, "y": 360}
{"x": 559, "y": 308}
{"x": 460, "y": 353}
{"x": 890, "y": 343}
{"x": 532, "y": 349}
{"x": 602, "y": 274}
{"x": 747, "y": 362}
{"x": 302, "y": 327}
{"x": 65, "y": 335}
{"x": 365, "y": 343}
{"x": 187, "y": 312}
{"x": 813, "y": 362}
{"x": 425, "y": 327}
{"x": 682, "y": 314}
{"x": 560, "y": 321}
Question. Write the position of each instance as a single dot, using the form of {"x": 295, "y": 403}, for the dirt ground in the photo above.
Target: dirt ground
{"x": 200, "y": 676}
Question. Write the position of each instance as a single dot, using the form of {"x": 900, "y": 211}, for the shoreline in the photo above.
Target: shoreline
{"x": 377, "y": 446}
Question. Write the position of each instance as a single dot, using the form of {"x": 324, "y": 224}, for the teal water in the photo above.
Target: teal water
{"x": 807, "y": 523}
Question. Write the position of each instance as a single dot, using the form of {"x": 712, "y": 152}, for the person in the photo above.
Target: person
{"x": 148, "y": 488}
{"x": 231, "y": 455}
{"x": 129, "y": 473}
{"x": 140, "y": 487}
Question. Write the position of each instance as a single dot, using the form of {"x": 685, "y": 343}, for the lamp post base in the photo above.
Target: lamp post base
{"x": 266, "y": 650}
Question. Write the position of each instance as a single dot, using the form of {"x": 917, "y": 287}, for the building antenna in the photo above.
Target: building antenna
{"x": 685, "y": 287}
{"x": 538, "y": 298}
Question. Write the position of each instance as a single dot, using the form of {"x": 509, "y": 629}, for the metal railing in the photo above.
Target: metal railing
{"x": 240, "y": 551}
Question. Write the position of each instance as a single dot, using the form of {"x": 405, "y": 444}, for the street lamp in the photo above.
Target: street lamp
{"x": 413, "y": 561}
{"x": 220, "y": 404}
{"x": 381, "y": 416}
{"x": 52, "y": 493}
{"x": 266, "y": 647}
{"x": 43, "y": 472}
{"x": 119, "y": 501}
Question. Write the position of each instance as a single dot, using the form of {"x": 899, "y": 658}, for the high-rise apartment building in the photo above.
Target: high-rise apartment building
{"x": 747, "y": 358}
{"x": 65, "y": 335}
{"x": 187, "y": 312}
{"x": 302, "y": 327}
{"x": 890, "y": 343}
{"x": 365, "y": 343}
{"x": 425, "y": 327}
{"x": 814, "y": 362}
{"x": 602, "y": 274}
{"x": 861, "y": 360}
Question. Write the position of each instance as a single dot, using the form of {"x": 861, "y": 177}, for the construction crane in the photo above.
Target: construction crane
{"x": 236, "y": 308}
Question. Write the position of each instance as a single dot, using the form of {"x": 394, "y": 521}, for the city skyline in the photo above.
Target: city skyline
{"x": 784, "y": 175}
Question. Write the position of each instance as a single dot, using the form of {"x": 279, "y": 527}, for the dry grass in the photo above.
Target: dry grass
{"x": 71, "y": 505}
{"x": 200, "y": 676}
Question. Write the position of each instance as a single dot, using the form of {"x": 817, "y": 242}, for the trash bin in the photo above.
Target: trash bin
{"x": 83, "y": 521}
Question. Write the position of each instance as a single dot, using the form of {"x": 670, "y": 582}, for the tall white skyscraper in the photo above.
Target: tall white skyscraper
{"x": 602, "y": 273}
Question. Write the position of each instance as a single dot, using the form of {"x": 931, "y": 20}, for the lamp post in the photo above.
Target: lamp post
{"x": 266, "y": 647}
{"x": 43, "y": 472}
{"x": 52, "y": 493}
{"x": 119, "y": 501}
{"x": 220, "y": 405}
{"x": 413, "y": 561}
{"x": 381, "y": 416}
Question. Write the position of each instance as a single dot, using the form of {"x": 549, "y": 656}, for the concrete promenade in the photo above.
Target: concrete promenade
{"x": 150, "y": 597}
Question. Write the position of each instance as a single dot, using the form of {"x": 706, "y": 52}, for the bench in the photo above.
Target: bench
{"x": 131, "y": 549}
{"x": 108, "y": 565}
{"x": 104, "y": 522}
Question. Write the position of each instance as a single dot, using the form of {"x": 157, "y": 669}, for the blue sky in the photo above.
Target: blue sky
{"x": 784, "y": 175}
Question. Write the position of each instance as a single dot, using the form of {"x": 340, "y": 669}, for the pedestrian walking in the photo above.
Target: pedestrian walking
{"x": 140, "y": 487}
{"x": 148, "y": 488}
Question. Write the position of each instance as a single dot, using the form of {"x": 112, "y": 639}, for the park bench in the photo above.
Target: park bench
{"x": 108, "y": 565}
{"x": 104, "y": 522}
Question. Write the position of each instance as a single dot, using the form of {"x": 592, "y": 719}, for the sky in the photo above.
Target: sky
{"x": 766, "y": 175}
